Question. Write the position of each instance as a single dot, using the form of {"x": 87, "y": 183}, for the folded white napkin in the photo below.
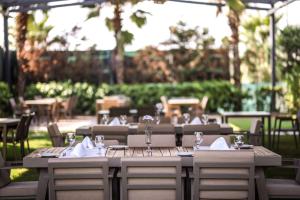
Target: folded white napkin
{"x": 196, "y": 120}
{"x": 87, "y": 143}
{"x": 115, "y": 122}
{"x": 219, "y": 144}
{"x": 78, "y": 151}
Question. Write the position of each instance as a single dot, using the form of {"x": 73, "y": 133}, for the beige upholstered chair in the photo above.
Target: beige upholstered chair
{"x": 78, "y": 179}
{"x": 57, "y": 138}
{"x": 203, "y": 103}
{"x": 189, "y": 140}
{"x": 15, "y": 190}
{"x": 158, "y": 129}
{"x": 156, "y": 178}
{"x": 156, "y": 141}
{"x": 190, "y": 129}
{"x": 119, "y": 133}
{"x": 223, "y": 175}
{"x": 285, "y": 188}
{"x": 170, "y": 110}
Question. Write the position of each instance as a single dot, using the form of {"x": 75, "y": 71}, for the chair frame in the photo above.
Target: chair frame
{"x": 76, "y": 163}
{"x": 148, "y": 162}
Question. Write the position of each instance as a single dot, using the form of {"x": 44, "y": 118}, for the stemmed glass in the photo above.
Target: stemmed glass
{"x": 238, "y": 141}
{"x": 123, "y": 119}
{"x": 186, "y": 117}
{"x": 71, "y": 139}
{"x": 205, "y": 119}
{"x": 99, "y": 142}
{"x": 198, "y": 140}
{"x": 148, "y": 132}
{"x": 105, "y": 119}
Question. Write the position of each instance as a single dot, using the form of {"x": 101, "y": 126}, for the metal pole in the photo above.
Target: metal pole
{"x": 7, "y": 64}
{"x": 273, "y": 58}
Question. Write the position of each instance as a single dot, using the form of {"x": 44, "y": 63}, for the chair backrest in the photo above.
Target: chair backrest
{"x": 256, "y": 126}
{"x": 119, "y": 133}
{"x": 157, "y": 129}
{"x": 117, "y": 111}
{"x": 224, "y": 175}
{"x": 189, "y": 140}
{"x": 110, "y": 142}
{"x": 29, "y": 120}
{"x": 156, "y": 178}
{"x": 78, "y": 179}
{"x": 57, "y": 139}
{"x": 164, "y": 101}
{"x": 22, "y": 128}
{"x": 203, "y": 103}
{"x": 156, "y": 141}
{"x": 4, "y": 174}
{"x": 190, "y": 129}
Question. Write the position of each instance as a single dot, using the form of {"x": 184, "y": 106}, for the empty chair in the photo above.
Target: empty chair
{"x": 56, "y": 137}
{"x": 190, "y": 129}
{"x": 255, "y": 133}
{"x": 223, "y": 175}
{"x": 284, "y": 188}
{"x": 189, "y": 140}
{"x": 203, "y": 103}
{"x": 157, "y": 129}
{"x": 170, "y": 110}
{"x": 67, "y": 106}
{"x": 15, "y": 190}
{"x": 78, "y": 179}
{"x": 151, "y": 178}
{"x": 156, "y": 141}
{"x": 119, "y": 133}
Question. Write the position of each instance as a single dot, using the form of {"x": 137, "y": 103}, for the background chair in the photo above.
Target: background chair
{"x": 157, "y": 129}
{"x": 156, "y": 141}
{"x": 189, "y": 140}
{"x": 151, "y": 178}
{"x": 170, "y": 110}
{"x": 223, "y": 175}
{"x": 56, "y": 137}
{"x": 255, "y": 133}
{"x": 119, "y": 133}
{"x": 15, "y": 190}
{"x": 190, "y": 129}
{"x": 78, "y": 179}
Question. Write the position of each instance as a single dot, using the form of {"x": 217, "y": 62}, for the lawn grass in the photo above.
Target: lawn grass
{"x": 41, "y": 139}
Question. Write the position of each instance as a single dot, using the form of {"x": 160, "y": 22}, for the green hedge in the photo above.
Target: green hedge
{"x": 222, "y": 94}
{"x": 5, "y": 94}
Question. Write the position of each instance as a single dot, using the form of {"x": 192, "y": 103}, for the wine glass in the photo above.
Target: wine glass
{"x": 198, "y": 140}
{"x": 205, "y": 119}
{"x": 71, "y": 139}
{"x": 238, "y": 141}
{"x": 186, "y": 117}
{"x": 123, "y": 119}
{"x": 148, "y": 132}
{"x": 105, "y": 119}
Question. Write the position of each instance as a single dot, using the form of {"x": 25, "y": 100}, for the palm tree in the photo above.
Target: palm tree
{"x": 21, "y": 33}
{"x": 122, "y": 37}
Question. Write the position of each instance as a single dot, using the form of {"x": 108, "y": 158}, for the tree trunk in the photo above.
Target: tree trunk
{"x": 118, "y": 54}
{"x": 234, "y": 22}
{"x": 21, "y": 29}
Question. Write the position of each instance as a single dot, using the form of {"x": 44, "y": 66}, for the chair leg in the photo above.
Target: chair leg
{"x": 22, "y": 148}
{"x": 274, "y": 133}
{"x": 28, "y": 147}
{"x": 294, "y": 132}
{"x": 279, "y": 131}
{"x": 15, "y": 150}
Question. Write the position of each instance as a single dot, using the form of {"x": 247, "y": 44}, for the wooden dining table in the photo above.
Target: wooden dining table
{"x": 5, "y": 125}
{"x": 262, "y": 158}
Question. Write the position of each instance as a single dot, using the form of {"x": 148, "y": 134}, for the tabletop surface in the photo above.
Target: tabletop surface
{"x": 246, "y": 113}
{"x": 183, "y": 100}
{"x": 9, "y": 121}
{"x": 263, "y": 156}
{"x": 46, "y": 101}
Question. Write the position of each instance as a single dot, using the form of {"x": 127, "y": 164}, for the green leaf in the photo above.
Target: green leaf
{"x": 95, "y": 12}
{"x": 109, "y": 23}
{"x": 236, "y": 5}
{"x": 127, "y": 37}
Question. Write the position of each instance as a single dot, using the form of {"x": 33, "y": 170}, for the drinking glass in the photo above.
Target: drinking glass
{"x": 198, "y": 140}
{"x": 238, "y": 141}
{"x": 123, "y": 119}
{"x": 186, "y": 117}
{"x": 71, "y": 139}
{"x": 157, "y": 119}
{"x": 205, "y": 118}
{"x": 148, "y": 132}
{"x": 105, "y": 119}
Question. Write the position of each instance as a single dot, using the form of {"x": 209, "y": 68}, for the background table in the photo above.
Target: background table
{"x": 6, "y": 124}
{"x": 252, "y": 114}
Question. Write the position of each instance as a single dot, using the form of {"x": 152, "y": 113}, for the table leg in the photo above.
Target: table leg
{"x": 261, "y": 184}
{"x": 4, "y": 134}
{"x": 269, "y": 131}
{"x": 263, "y": 131}
{"x": 43, "y": 184}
